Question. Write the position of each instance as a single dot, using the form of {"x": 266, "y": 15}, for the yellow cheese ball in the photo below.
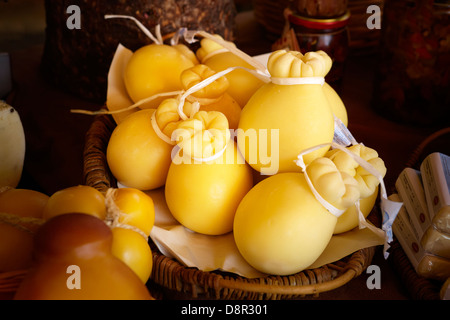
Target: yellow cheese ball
{"x": 204, "y": 196}
{"x": 186, "y": 52}
{"x": 349, "y": 219}
{"x": 280, "y": 228}
{"x": 136, "y": 156}
{"x": 16, "y": 245}
{"x": 154, "y": 69}
{"x": 213, "y": 97}
{"x": 299, "y": 113}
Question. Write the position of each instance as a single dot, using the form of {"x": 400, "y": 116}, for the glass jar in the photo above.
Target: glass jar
{"x": 327, "y": 34}
{"x": 412, "y": 83}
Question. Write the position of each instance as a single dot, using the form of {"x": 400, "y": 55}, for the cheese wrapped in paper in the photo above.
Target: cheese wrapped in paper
{"x": 435, "y": 170}
{"x": 208, "y": 47}
{"x": 437, "y": 243}
{"x": 184, "y": 50}
{"x": 213, "y": 97}
{"x": 426, "y": 264}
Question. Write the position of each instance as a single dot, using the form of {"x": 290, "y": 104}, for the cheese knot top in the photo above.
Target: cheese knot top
{"x": 204, "y": 135}
{"x": 293, "y": 64}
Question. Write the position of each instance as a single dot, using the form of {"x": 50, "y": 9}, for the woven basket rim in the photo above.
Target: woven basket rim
{"x": 171, "y": 274}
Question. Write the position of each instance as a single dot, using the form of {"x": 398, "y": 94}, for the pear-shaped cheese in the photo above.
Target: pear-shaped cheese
{"x": 204, "y": 135}
{"x": 280, "y": 227}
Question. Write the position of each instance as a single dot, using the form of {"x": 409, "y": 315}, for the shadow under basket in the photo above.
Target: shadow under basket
{"x": 171, "y": 279}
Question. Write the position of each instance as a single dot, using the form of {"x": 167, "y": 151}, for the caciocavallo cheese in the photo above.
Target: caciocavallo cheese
{"x": 441, "y": 220}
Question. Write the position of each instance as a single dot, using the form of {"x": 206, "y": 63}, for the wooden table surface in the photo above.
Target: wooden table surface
{"x": 55, "y": 137}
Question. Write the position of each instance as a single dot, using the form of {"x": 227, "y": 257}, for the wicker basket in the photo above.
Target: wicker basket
{"x": 178, "y": 281}
{"x": 9, "y": 282}
{"x": 269, "y": 13}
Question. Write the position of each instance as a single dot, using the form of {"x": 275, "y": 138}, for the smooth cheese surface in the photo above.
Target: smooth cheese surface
{"x": 279, "y": 227}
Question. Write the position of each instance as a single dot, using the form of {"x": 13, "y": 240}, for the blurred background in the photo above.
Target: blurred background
{"x": 395, "y": 80}
{"x": 22, "y": 24}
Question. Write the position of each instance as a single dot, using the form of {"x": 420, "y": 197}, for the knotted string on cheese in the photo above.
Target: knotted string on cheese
{"x": 114, "y": 215}
{"x": 292, "y": 67}
{"x": 209, "y": 48}
{"x": 204, "y": 137}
